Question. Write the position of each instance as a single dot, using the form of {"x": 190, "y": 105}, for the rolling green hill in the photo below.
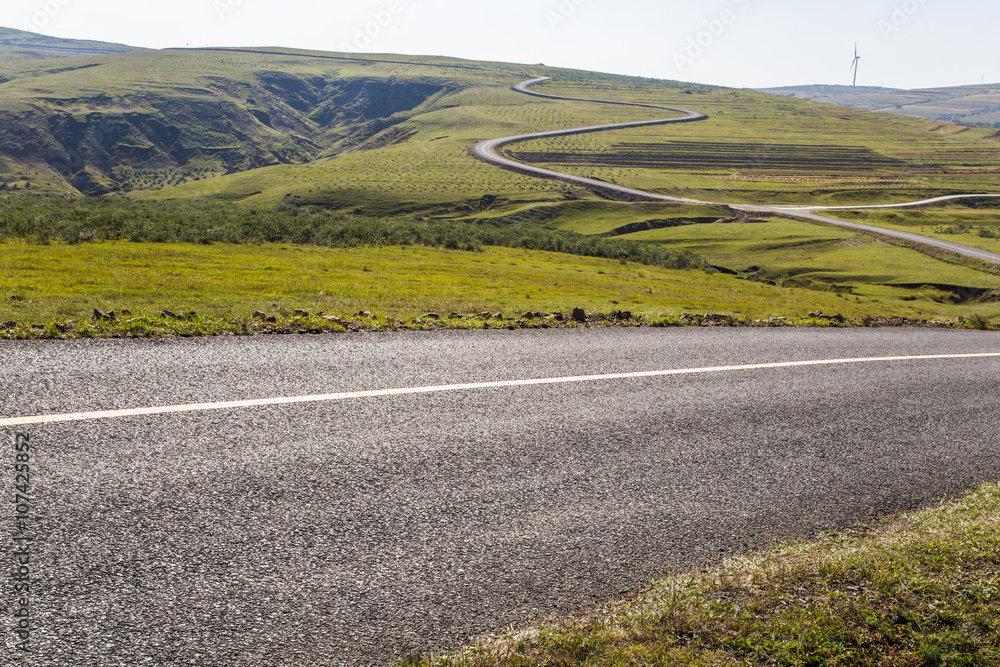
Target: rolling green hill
{"x": 21, "y": 45}
{"x": 969, "y": 105}
{"x": 391, "y": 135}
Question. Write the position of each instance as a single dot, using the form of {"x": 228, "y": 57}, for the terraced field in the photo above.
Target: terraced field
{"x": 686, "y": 155}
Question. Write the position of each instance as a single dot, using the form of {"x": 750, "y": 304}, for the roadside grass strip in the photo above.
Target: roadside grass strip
{"x": 914, "y": 590}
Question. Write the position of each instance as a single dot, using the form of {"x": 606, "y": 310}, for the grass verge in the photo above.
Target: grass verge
{"x": 53, "y": 290}
{"x": 919, "y": 590}
{"x": 63, "y": 263}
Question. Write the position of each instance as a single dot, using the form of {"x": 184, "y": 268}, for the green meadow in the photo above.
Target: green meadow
{"x": 975, "y": 223}
{"x": 748, "y": 271}
{"x": 227, "y": 181}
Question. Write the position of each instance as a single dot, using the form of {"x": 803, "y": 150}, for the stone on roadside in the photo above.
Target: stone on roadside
{"x": 579, "y": 315}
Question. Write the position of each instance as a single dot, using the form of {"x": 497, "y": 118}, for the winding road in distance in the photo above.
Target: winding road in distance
{"x": 486, "y": 150}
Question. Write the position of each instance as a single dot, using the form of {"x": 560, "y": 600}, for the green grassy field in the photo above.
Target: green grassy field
{"x": 802, "y": 254}
{"x": 61, "y": 260}
{"x": 915, "y": 590}
{"x": 973, "y": 224}
{"x": 44, "y": 284}
{"x": 41, "y": 284}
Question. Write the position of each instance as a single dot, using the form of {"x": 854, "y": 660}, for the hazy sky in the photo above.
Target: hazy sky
{"x": 752, "y": 43}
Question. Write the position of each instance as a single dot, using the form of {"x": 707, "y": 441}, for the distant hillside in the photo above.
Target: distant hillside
{"x": 968, "y": 105}
{"x": 150, "y": 119}
{"x": 21, "y": 45}
{"x": 391, "y": 134}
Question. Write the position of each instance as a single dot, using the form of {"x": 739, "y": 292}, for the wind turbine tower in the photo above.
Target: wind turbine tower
{"x": 854, "y": 66}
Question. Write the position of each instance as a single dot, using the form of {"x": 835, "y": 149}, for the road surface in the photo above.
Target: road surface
{"x": 357, "y": 527}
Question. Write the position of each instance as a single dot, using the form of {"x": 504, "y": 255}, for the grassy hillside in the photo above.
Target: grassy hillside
{"x": 969, "y": 105}
{"x": 21, "y": 45}
{"x": 764, "y": 149}
{"x": 392, "y": 134}
{"x": 149, "y": 120}
{"x": 755, "y": 147}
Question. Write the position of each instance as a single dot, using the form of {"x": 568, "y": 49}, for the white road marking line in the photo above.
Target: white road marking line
{"x": 376, "y": 393}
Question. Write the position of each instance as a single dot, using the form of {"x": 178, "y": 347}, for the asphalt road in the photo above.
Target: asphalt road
{"x": 486, "y": 150}
{"x": 354, "y": 531}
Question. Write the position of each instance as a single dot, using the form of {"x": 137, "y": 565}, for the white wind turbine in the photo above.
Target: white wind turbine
{"x": 854, "y": 65}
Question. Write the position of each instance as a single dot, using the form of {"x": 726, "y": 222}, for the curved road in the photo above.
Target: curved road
{"x": 438, "y": 485}
{"x": 487, "y": 150}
